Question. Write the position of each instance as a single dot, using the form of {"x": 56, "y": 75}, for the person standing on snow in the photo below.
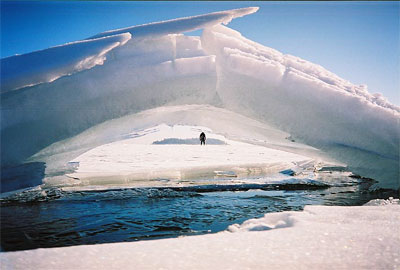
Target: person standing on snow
{"x": 202, "y": 138}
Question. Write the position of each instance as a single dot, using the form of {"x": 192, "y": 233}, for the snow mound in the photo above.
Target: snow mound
{"x": 270, "y": 221}
{"x": 188, "y": 141}
{"x": 378, "y": 202}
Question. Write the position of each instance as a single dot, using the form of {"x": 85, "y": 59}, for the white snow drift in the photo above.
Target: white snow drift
{"x": 125, "y": 71}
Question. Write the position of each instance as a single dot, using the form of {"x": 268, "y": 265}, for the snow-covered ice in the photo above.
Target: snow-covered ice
{"x": 138, "y": 158}
{"x": 320, "y": 237}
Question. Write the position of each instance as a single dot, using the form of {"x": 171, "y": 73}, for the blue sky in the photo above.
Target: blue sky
{"x": 359, "y": 41}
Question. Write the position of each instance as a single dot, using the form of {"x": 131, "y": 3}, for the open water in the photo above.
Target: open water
{"x": 53, "y": 217}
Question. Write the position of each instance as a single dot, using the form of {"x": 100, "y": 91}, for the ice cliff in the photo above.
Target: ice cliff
{"x": 54, "y": 94}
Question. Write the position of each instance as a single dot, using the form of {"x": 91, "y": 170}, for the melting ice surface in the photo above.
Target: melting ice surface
{"x": 115, "y": 118}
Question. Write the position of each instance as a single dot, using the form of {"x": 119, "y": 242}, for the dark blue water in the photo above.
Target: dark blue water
{"x": 55, "y": 218}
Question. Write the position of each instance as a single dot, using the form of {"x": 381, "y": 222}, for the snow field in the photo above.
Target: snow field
{"x": 138, "y": 158}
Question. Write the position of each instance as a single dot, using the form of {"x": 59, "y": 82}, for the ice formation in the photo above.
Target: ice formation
{"x": 54, "y": 96}
{"x": 320, "y": 237}
{"x": 50, "y": 64}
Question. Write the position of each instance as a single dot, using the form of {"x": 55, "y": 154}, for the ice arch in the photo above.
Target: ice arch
{"x": 125, "y": 71}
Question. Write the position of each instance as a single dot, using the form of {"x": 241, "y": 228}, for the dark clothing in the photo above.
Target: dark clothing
{"x": 202, "y": 138}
